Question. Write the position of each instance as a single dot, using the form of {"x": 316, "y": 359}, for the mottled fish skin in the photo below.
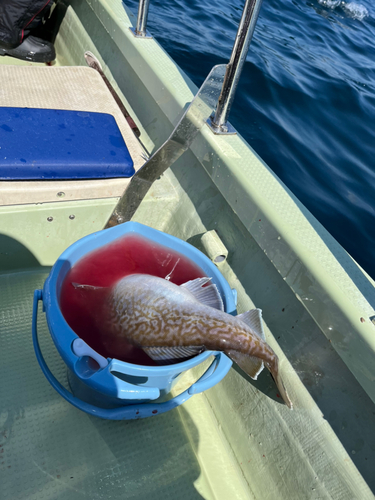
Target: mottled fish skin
{"x": 152, "y": 312}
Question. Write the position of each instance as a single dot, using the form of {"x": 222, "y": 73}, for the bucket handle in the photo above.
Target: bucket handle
{"x": 216, "y": 372}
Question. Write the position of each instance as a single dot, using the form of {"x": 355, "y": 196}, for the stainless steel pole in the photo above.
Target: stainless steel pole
{"x": 235, "y": 65}
{"x": 142, "y": 17}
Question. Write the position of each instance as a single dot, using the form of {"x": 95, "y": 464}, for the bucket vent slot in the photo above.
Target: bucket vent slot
{"x": 131, "y": 379}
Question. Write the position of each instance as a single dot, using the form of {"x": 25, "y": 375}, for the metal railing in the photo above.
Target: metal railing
{"x": 219, "y": 121}
{"x": 140, "y": 30}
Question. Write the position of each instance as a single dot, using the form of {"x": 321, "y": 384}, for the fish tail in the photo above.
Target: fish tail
{"x": 251, "y": 365}
{"x": 274, "y": 369}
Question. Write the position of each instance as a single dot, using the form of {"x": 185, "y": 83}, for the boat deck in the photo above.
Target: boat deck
{"x": 49, "y": 449}
{"x": 191, "y": 452}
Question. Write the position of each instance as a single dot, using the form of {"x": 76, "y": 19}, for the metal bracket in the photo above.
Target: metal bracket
{"x": 192, "y": 121}
{"x": 147, "y": 35}
{"x": 226, "y": 129}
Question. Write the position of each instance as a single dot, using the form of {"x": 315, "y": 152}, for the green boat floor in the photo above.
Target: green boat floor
{"x": 51, "y": 450}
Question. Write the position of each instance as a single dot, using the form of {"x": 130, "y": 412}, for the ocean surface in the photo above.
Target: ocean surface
{"x": 306, "y": 99}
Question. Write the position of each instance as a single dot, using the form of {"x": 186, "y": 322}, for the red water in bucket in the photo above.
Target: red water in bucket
{"x": 85, "y": 309}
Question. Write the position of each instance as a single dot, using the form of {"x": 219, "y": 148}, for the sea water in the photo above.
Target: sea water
{"x": 86, "y": 309}
{"x": 306, "y": 98}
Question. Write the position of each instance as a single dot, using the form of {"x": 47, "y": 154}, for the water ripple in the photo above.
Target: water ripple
{"x": 351, "y": 9}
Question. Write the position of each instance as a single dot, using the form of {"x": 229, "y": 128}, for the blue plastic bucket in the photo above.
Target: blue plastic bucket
{"x": 110, "y": 388}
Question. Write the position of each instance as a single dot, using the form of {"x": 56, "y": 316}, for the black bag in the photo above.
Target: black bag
{"x": 18, "y": 18}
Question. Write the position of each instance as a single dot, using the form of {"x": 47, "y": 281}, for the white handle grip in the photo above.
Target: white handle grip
{"x": 80, "y": 348}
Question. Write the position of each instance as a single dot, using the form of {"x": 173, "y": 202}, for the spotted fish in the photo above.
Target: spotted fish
{"x": 171, "y": 322}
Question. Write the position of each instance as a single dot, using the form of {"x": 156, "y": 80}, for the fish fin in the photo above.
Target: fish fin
{"x": 249, "y": 364}
{"x": 207, "y": 295}
{"x": 87, "y": 287}
{"x": 280, "y": 384}
{"x": 253, "y": 319}
{"x": 173, "y": 354}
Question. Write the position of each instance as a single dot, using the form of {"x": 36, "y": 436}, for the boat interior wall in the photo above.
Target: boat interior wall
{"x": 156, "y": 89}
{"x": 249, "y": 270}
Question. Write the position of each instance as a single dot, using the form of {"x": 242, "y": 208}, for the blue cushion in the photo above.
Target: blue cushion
{"x": 52, "y": 144}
